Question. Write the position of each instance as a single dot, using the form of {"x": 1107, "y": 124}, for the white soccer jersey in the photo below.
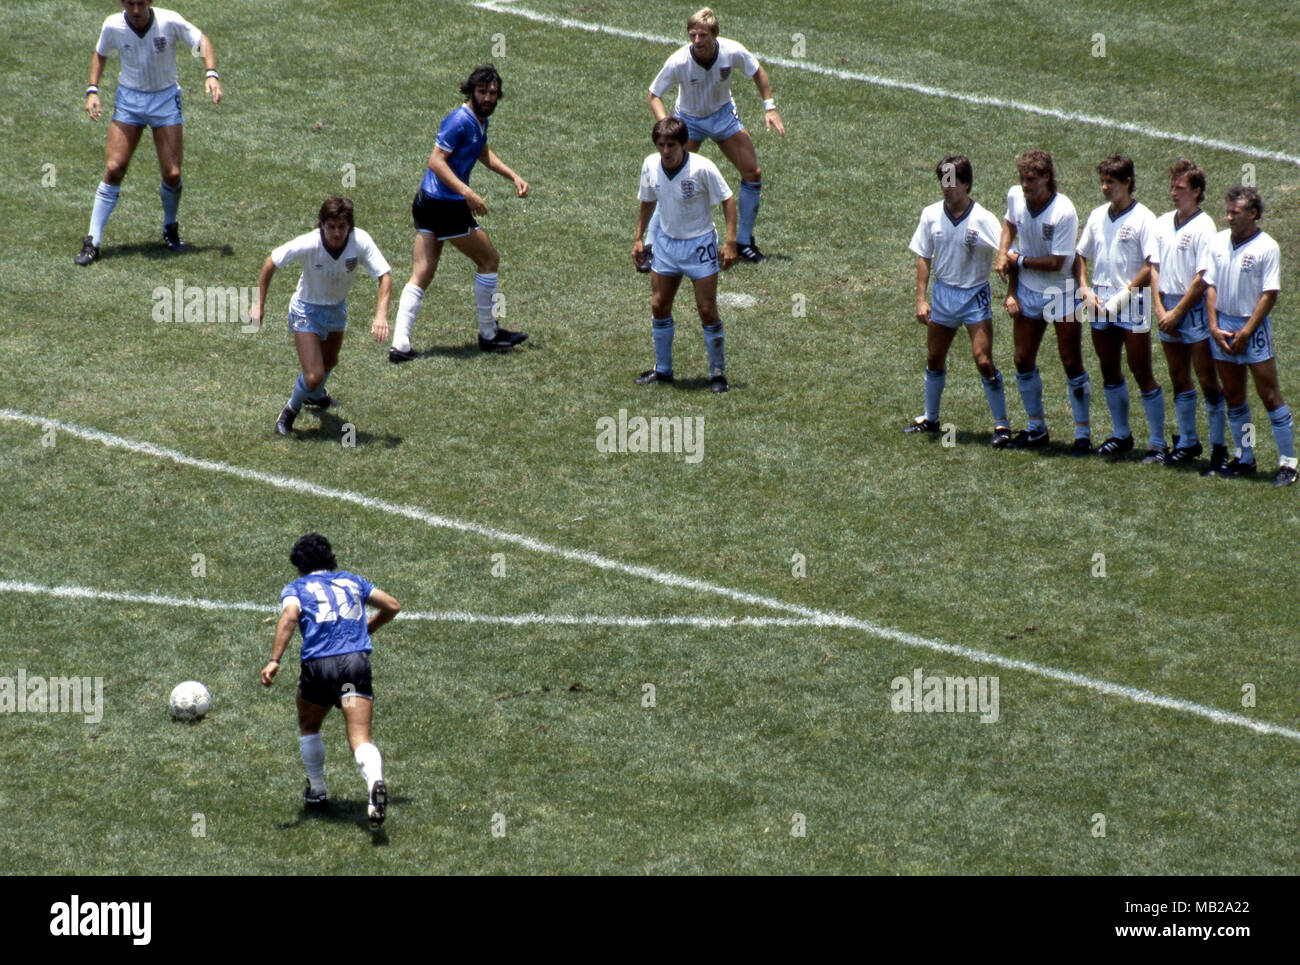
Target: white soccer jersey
{"x": 960, "y": 252}
{"x": 325, "y": 279}
{"x": 149, "y": 61}
{"x": 1242, "y": 273}
{"x": 701, "y": 89}
{"x": 1184, "y": 250}
{"x": 686, "y": 199}
{"x": 1052, "y": 231}
{"x": 1117, "y": 248}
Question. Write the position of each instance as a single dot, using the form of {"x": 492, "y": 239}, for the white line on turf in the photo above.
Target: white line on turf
{"x": 437, "y": 616}
{"x": 818, "y": 617}
{"x": 495, "y": 6}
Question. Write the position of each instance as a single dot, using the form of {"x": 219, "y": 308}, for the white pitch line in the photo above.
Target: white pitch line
{"x": 436, "y": 616}
{"x": 819, "y": 617}
{"x": 494, "y": 6}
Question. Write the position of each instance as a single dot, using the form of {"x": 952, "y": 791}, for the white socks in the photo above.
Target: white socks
{"x": 407, "y": 308}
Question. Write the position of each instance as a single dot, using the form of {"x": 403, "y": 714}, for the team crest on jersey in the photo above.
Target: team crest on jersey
{"x": 350, "y": 264}
{"x": 1127, "y": 233}
{"x": 1184, "y": 242}
{"x": 971, "y": 237}
{"x": 688, "y": 188}
{"x": 1248, "y": 262}
{"x": 159, "y": 44}
{"x": 724, "y": 73}
{"x": 1048, "y": 230}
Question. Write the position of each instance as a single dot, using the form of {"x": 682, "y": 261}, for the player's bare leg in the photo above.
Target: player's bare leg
{"x": 121, "y": 145}
{"x": 310, "y": 718}
{"x": 1027, "y": 337}
{"x": 706, "y": 303}
{"x": 479, "y": 249}
{"x": 357, "y": 713}
{"x": 739, "y": 150}
{"x": 170, "y": 146}
{"x": 424, "y": 263}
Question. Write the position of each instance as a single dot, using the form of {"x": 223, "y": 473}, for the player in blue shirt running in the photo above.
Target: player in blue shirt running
{"x": 444, "y": 210}
{"x": 328, "y": 605}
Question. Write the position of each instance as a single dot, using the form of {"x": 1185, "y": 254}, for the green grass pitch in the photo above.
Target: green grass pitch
{"x": 529, "y": 747}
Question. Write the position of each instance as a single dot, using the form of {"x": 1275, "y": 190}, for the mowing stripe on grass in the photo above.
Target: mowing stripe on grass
{"x": 436, "y": 616}
{"x": 817, "y": 617}
{"x": 497, "y": 6}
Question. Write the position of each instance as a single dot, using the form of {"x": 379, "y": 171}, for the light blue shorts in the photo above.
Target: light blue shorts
{"x": 318, "y": 320}
{"x": 695, "y": 258}
{"x": 1258, "y": 349}
{"x": 951, "y": 306}
{"x": 718, "y": 126}
{"x": 148, "y": 108}
{"x": 1053, "y": 305}
{"x": 1193, "y": 328}
{"x": 1134, "y": 317}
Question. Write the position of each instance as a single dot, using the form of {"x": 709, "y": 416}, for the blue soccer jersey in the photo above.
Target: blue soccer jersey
{"x": 332, "y": 612}
{"x": 464, "y": 137}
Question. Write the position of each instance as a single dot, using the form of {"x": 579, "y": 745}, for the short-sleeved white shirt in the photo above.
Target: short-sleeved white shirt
{"x": 1184, "y": 250}
{"x": 960, "y": 252}
{"x": 325, "y": 279}
{"x": 1053, "y": 231}
{"x": 1117, "y": 248}
{"x": 702, "y": 90}
{"x": 148, "y": 62}
{"x": 1242, "y": 273}
{"x": 686, "y": 199}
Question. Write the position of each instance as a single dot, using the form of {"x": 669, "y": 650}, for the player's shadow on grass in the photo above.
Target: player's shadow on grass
{"x": 333, "y": 429}
{"x": 342, "y": 811}
{"x": 157, "y": 251}
{"x": 469, "y": 350}
{"x": 700, "y": 384}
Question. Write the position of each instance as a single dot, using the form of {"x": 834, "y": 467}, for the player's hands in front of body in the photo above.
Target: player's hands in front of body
{"x": 1236, "y": 341}
{"x": 923, "y": 311}
{"x": 1221, "y": 338}
{"x": 1089, "y": 298}
{"x": 379, "y": 329}
{"x": 476, "y": 203}
{"x": 730, "y": 255}
{"x": 213, "y": 87}
{"x": 269, "y": 672}
{"x": 638, "y": 249}
{"x": 521, "y": 187}
{"x": 92, "y": 106}
{"x": 1002, "y": 264}
{"x": 1012, "y": 305}
{"x": 255, "y": 314}
{"x": 771, "y": 119}
{"x": 1166, "y": 321}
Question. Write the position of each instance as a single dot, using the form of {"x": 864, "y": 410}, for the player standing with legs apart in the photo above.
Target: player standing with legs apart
{"x": 318, "y": 311}
{"x": 1120, "y": 241}
{"x": 955, "y": 244}
{"x": 1242, "y": 283}
{"x": 444, "y": 210}
{"x": 683, "y": 188}
{"x": 328, "y": 605}
{"x": 701, "y": 71}
{"x": 148, "y": 95}
{"x": 1184, "y": 236}
{"x": 1043, "y": 226}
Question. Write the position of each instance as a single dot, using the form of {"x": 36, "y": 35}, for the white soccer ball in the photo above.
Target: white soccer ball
{"x": 190, "y": 700}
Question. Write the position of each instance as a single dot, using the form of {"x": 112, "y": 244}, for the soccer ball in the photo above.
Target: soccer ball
{"x": 190, "y": 700}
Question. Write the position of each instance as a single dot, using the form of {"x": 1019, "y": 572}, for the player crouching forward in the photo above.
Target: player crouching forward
{"x": 318, "y": 311}
{"x": 1119, "y": 240}
{"x": 683, "y": 187}
{"x": 956, "y": 241}
{"x": 329, "y": 606}
{"x": 1242, "y": 283}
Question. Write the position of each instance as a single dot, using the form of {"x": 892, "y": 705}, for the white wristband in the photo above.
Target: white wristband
{"x": 213, "y": 74}
{"x": 769, "y": 104}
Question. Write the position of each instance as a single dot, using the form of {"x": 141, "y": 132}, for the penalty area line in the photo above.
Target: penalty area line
{"x": 819, "y": 618}
{"x": 877, "y": 80}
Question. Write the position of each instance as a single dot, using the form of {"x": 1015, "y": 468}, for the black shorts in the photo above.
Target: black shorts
{"x": 443, "y": 219}
{"x": 324, "y": 681}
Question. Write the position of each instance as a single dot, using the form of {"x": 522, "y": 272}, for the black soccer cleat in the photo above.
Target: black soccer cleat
{"x": 1115, "y": 447}
{"x": 718, "y": 382}
{"x": 1218, "y": 459}
{"x": 397, "y": 355}
{"x": 921, "y": 424}
{"x": 284, "y": 424}
{"x": 1001, "y": 437}
{"x": 377, "y": 809}
{"x": 89, "y": 253}
{"x": 1183, "y": 455}
{"x": 324, "y": 402}
{"x": 1024, "y": 439}
{"x": 172, "y": 238}
{"x": 1285, "y": 476}
{"x": 653, "y": 375}
{"x": 1233, "y": 469}
{"x": 314, "y": 800}
{"x": 646, "y": 260}
{"x": 751, "y": 253}
{"x": 1081, "y": 447}
{"x": 503, "y": 339}
{"x": 1155, "y": 456}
